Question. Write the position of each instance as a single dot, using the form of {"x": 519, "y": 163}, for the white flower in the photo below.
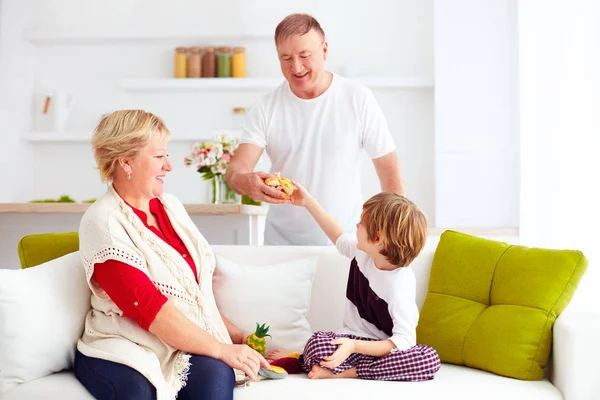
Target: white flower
{"x": 220, "y": 167}
{"x": 210, "y": 159}
{"x": 223, "y": 137}
{"x": 199, "y": 159}
{"x": 217, "y": 150}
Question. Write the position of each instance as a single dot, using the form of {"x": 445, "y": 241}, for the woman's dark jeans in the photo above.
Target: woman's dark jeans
{"x": 208, "y": 378}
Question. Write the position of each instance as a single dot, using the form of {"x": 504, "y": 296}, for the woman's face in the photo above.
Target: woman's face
{"x": 149, "y": 168}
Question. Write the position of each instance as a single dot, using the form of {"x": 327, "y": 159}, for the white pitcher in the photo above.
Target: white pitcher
{"x": 62, "y": 105}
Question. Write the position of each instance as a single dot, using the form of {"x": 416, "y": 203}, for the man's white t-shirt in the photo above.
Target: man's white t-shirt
{"x": 380, "y": 304}
{"x": 317, "y": 142}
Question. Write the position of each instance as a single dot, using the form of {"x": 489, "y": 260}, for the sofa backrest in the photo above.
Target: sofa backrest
{"x": 39, "y": 248}
{"x": 329, "y": 287}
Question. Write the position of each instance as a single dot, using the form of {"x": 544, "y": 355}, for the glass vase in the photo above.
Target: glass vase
{"x": 222, "y": 193}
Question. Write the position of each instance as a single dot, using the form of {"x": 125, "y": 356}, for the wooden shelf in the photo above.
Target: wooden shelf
{"x": 141, "y": 84}
{"x": 215, "y": 209}
{"x": 392, "y": 82}
{"x": 84, "y": 137}
{"x": 80, "y": 208}
{"x": 436, "y": 231}
{"x": 62, "y": 37}
{"x": 200, "y": 83}
{"x": 57, "y": 137}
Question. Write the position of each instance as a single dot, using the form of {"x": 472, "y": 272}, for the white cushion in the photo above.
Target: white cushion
{"x": 61, "y": 385}
{"x": 452, "y": 382}
{"x": 275, "y": 294}
{"x": 42, "y": 312}
{"x": 329, "y": 287}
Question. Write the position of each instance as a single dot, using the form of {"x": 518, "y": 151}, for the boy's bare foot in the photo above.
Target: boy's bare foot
{"x": 318, "y": 372}
{"x": 280, "y": 353}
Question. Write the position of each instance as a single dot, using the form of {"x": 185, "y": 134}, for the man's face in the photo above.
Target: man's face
{"x": 302, "y": 59}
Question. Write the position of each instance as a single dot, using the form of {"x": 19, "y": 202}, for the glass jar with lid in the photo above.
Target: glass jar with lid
{"x": 194, "y": 63}
{"x": 209, "y": 63}
{"x": 238, "y": 62}
{"x": 224, "y": 62}
{"x": 180, "y": 67}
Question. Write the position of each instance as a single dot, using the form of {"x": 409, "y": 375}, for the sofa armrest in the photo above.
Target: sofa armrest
{"x": 575, "y": 356}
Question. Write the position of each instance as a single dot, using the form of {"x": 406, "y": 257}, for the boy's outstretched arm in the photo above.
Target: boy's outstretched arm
{"x": 330, "y": 226}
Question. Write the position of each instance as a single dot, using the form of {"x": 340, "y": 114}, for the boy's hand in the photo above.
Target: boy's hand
{"x": 345, "y": 348}
{"x": 300, "y": 195}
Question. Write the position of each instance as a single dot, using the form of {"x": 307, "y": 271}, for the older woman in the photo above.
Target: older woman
{"x": 154, "y": 330}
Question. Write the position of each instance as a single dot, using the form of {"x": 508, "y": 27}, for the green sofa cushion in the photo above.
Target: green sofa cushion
{"x": 491, "y": 305}
{"x": 38, "y": 249}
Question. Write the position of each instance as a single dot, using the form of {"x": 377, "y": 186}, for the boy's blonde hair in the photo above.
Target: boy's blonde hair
{"x": 123, "y": 133}
{"x": 398, "y": 224}
{"x": 297, "y": 24}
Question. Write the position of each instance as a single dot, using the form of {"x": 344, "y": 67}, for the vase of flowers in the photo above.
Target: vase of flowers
{"x": 211, "y": 159}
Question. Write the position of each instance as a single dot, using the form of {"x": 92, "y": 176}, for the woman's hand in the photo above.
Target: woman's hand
{"x": 345, "y": 348}
{"x": 242, "y": 357}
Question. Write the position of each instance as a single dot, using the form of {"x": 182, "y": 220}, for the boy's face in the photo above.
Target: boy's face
{"x": 361, "y": 235}
{"x": 364, "y": 244}
{"x": 373, "y": 249}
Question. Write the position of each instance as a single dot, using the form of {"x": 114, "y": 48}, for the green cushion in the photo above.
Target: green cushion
{"x": 491, "y": 305}
{"x": 38, "y": 249}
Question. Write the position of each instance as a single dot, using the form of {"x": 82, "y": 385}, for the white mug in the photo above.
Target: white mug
{"x": 61, "y": 106}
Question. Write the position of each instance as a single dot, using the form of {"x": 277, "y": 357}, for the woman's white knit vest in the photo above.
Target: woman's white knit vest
{"x": 109, "y": 230}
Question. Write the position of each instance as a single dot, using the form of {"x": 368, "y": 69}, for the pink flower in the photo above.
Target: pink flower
{"x": 226, "y": 157}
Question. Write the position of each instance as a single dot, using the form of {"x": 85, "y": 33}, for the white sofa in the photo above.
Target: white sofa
{"x": 573, "y": 376}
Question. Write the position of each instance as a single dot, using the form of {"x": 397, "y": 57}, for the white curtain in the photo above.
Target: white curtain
{"x": 559, "y": 96}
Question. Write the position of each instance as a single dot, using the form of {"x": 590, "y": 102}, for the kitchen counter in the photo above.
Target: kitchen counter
{"x": 219, "y": 223}
{"x": 79, "y": 208}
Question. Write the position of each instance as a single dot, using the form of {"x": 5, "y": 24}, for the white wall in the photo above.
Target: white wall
{"x": 376, "y": 38}
{"x": 476, "y": 115}
{"x": 16, "y": 85}
{"x": 559, "y": 53}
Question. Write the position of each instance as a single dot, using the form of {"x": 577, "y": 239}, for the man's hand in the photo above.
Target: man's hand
{"x": 345, "y": 348}
{"x": 253, "y": 184}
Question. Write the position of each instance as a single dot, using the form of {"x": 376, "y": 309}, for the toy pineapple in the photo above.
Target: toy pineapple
{"x": 257, "y": 340}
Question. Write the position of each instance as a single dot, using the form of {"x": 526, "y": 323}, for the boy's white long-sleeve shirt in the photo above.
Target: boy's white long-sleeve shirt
{"x": 379, "y": 304}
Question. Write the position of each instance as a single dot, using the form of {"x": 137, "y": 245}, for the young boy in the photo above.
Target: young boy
{"x": 380, "y": 319}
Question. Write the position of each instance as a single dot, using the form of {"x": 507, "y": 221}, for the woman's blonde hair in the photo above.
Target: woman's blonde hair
{"x": 297, "y": 24}
{"x": 123, "y": 133}
{"x": 398, "y": 224}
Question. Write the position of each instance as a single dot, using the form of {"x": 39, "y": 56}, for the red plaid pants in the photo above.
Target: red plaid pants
{"x": 419, "y": 363}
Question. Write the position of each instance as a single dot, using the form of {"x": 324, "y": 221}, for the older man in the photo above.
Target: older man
{"x": 313, "y": 128}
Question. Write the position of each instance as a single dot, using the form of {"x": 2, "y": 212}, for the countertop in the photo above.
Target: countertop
{"x": 216, "y": 209}
{"x": 79, "y": 208}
